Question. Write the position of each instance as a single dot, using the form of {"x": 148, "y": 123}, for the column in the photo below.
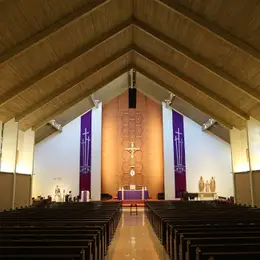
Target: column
{"x": 169, "y": 185}
{"x": 239, "y": 147}
{"x": 245, "y": 148}
{"x": 253, "y": 129}
{"x": 9, "y": 155}
{"x": 9, "y": 147}
{"x": 26, "y": 152}
{"x": 96, "y": 135}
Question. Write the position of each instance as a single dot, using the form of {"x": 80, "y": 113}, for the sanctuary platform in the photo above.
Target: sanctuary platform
{"x": 140, "y": 203}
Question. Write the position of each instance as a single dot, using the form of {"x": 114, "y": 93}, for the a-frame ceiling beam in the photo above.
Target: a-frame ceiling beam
{"x": 59, "y": 65}
{"x": 199, "y": 60}
{"x": 223, "y": 102}
{"x": 89, "y": 7}
{"x": 72, "y": 84}
{"x": 183, "y": 97}
{"x": 211, "y": 27}
{"x": 80, "y": 98}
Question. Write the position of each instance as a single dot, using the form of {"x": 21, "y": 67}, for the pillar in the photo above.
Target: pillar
{"x": 239, "y": 147}
{"x": 9, "y": 154}
{"x": 169, "y": 186}
{"x": 96, "y": 135}
{"x": 25, "y": 151}
{"x": 9, "y": 147}
{"x": 253, "y": 129}
{"x": 241, "y": 167}
{"x": 245, "y": 146}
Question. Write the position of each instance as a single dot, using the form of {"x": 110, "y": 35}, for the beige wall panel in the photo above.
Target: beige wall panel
{"x": 242, "y": 186}
{"x": 6, "y": 190}
{"x": 23, "y": 190}
{"x": 256, "y": 181}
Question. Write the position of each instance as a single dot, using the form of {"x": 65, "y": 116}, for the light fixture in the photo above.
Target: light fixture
{"x": 55, "y": 125}
{"x": 94, "y": 100}
{"x": 208, "y": 124}
{"x": 169, "y": 100}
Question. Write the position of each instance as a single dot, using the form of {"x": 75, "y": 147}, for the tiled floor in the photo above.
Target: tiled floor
{"x": 135, "y": 240}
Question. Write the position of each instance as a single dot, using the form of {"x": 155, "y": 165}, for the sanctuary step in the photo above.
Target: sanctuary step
{"x": 65, "y": 231}
{"x": 206, "y": 230}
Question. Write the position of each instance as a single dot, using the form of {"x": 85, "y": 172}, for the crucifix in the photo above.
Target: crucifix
{"x": 132, "y": 149}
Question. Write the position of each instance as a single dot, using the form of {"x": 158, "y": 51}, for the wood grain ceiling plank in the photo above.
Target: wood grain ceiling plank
{"x": 198, "y": 59}
{"x": 52, "y": 69}
{"x": 72, "y": 84}
{"x": 223, "y": 102}
{"x": 77, "y": 100}
{"x": 71, "y": 18}
{"x": 183, "y": 97}
{"x": 212, "y": 28}
{"x": 159, "y": 94}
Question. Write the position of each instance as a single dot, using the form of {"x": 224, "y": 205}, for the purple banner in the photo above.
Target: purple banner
{"x": 179, "y": 153}
{"x": 85, "y": 152}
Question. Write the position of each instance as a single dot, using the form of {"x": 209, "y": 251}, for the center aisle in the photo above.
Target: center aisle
{"x": 135, "y": 240}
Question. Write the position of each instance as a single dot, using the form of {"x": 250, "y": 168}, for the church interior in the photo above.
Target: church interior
{"x": 130, "y": 129}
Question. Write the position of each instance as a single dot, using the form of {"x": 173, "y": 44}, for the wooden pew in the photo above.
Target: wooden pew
{"x": 44, "y": 252}
{"x": 64, "y": 231}
{"x": 184, "y": 226}
{"x": 222, "y": 237}
{"x": 207, "y": 242}
{"x": 239, "y": 252}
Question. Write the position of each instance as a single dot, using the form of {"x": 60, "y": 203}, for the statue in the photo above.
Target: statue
{"x": 207, "y": 187}
{"x": 201, "y": 184}
{"x": 57, "y": 194}
{"x": 212, "y": 185}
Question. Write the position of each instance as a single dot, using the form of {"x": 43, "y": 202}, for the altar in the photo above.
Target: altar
{"x": 132, "y": 195}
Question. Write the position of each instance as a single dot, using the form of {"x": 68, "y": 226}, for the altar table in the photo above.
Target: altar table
{"x": 133, "y": 195}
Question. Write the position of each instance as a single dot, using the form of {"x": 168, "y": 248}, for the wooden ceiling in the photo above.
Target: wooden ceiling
{"x": 54, "y": 53}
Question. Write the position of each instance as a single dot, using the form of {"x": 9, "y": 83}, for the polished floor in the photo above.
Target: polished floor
{"x": 135, "y": 240}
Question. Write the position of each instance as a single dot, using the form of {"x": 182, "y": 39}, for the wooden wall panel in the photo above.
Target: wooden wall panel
{"x": 6, "y": 190}
{"x": 110, "y": 154}
{"x": 256, "y": 181}
{"x": 154, "y": 148}
{"x": 142, "y": 125}
{"x": 242, "y": 188}
{"x": 22, "y": 190}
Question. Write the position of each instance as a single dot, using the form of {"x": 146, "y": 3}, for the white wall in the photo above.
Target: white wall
{"x": 57, "y": 159}
{"x": 207, "y": 155}
{"x": 169, "y": 184}
{"x": 96, "y": 135}
{"x": 57, "y": 162}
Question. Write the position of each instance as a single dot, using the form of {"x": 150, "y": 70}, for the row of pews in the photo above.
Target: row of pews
{"x": 206, "y": 230}
{"x": 63, "y": 231}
